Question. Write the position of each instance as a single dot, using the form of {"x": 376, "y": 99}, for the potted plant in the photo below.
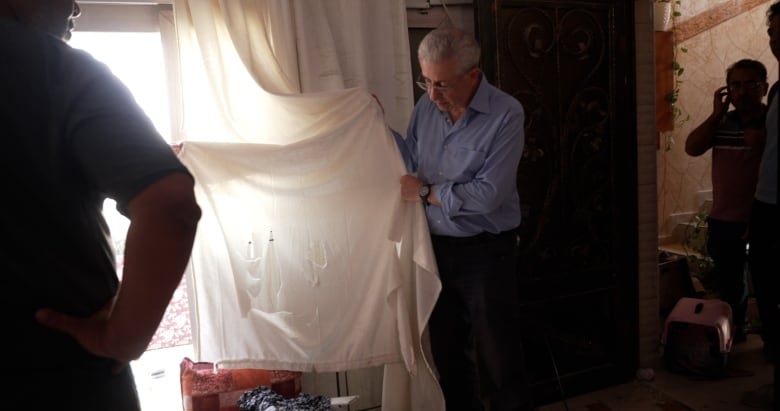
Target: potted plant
{"x": 667, "y": 11}
{"x": 695, "y": 243}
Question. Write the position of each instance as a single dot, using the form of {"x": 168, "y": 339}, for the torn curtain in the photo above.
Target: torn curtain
{"x": 307, "y": 259}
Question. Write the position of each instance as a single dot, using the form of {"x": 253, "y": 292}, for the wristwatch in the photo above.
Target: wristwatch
{"x": 424, "y": 192}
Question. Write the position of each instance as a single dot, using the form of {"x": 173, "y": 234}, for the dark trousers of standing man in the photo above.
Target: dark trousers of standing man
{"x": 474, "y": 326}
{"x": 727, "y": 245}
{"x": 764, "y": 258}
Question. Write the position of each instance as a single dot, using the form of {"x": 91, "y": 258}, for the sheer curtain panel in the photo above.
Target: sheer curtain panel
{"x": 306, "y": 258}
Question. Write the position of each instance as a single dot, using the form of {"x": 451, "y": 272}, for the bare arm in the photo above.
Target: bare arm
{"x": 163, "y": 221}
{"x": 700, "y": 139}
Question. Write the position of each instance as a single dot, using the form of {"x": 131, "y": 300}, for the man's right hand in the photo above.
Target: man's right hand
{"x": 410, "y": 188}
{"x": 721, "y": 101}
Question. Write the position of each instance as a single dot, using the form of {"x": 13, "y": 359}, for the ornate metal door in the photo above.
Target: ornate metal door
{"x": 571, "y": 64}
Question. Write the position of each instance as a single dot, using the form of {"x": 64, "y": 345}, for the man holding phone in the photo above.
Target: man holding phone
{"x": 737, "y": 140}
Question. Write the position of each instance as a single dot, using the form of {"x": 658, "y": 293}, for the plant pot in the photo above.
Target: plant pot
{"x": 662, "y": 16}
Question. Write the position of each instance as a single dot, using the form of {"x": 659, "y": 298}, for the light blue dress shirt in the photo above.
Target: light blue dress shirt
{"x": 471, "y": 164}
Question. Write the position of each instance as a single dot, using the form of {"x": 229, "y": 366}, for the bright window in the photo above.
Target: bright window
{"x": 137, "y": 59}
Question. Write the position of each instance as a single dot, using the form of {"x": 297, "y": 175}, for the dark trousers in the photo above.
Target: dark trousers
{"x": 764, "y": 260}
{"x": 776, "y": 401}
{"x": 727, "y": 245}
{"x": 71, "y": 389}
{"x": 474, "y": 326}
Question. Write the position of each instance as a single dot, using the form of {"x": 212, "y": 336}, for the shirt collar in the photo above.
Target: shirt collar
{"x": 481, "y": 100}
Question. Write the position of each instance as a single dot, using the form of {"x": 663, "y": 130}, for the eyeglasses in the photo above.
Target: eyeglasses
{"x": 425, "y": 84}
{"x": 746, "y": 85}
{"x": 441, "y": 86}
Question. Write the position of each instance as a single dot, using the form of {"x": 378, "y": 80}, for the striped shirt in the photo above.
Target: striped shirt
{"x": 734, "y": 169}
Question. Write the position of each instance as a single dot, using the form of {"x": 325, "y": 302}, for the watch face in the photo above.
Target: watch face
{"x": 425, "y": 190}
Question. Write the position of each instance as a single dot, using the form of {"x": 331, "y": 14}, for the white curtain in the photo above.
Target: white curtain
{"x": 306, "y": 258}
{"x": 245, "y": 57}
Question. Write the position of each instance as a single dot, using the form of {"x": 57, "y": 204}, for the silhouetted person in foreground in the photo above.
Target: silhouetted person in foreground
{"x": 73, "y": 136}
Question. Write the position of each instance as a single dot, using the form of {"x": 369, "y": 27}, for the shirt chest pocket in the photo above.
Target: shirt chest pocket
{"x": 464, "y": 163}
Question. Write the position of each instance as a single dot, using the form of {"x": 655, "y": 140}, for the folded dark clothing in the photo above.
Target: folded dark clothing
{"x": 263, "y": 398}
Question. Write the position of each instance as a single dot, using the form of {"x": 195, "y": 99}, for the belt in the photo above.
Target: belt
{"x": 481, "y": 238}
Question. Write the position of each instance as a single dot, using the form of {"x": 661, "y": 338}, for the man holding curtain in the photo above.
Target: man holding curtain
{"x": 462, "y": 149}
{"x": 73, "y": 136}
